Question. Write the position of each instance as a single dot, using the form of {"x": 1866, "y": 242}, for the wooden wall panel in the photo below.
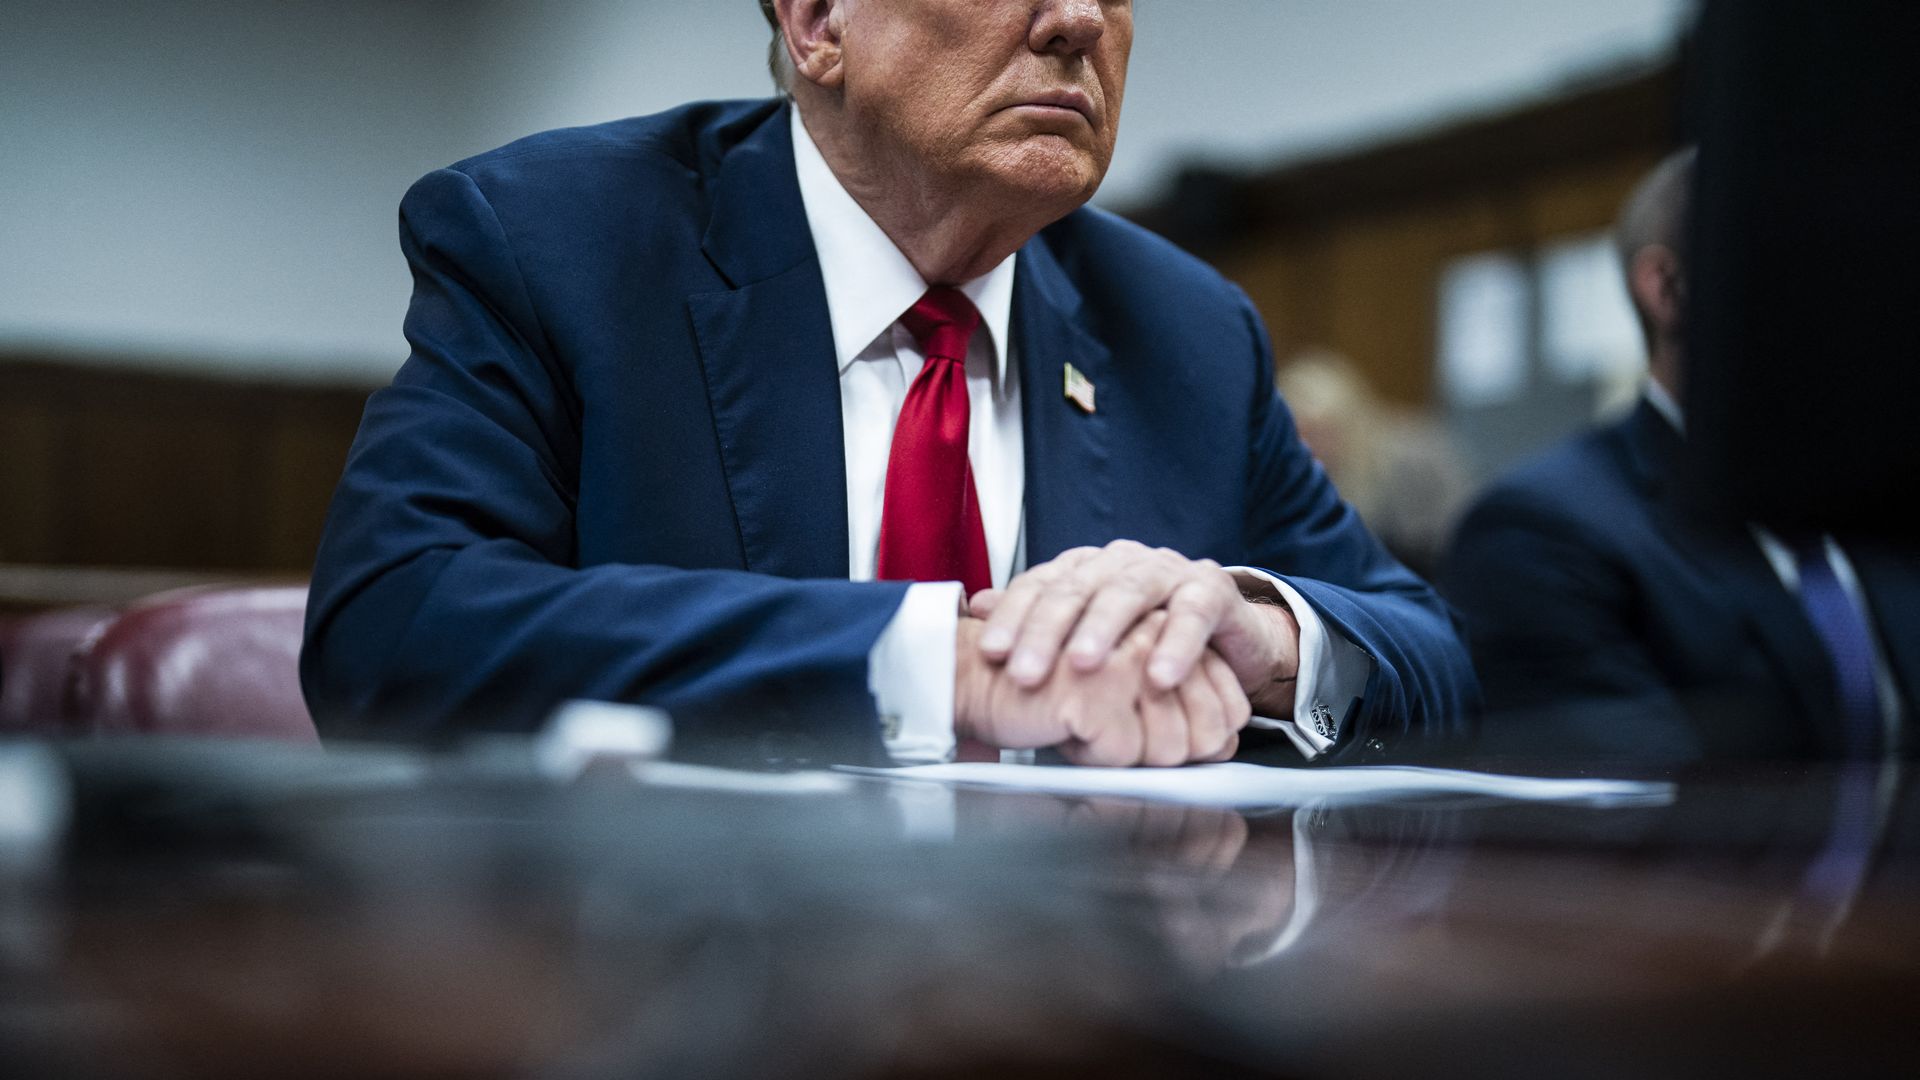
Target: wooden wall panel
{"x": 1368, "y": 287}
{"x": 1280, "y": 284}
{"x": 1346, "y": 254}
{"x": 305, "y": 453}
{"x": 1585, "y": 198}
{"x": 171, "y": 489}
{"x": 111, "y": 466}
{"x": 29, "y": 495}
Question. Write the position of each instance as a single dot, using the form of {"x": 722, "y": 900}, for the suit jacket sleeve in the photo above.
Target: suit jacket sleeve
{"x": 1422, "y": 692}
{"x": 1550, "y": 624}
{"x": 446, "y": 590}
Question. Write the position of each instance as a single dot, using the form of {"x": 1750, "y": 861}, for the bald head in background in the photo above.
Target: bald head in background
{"x": 1650, "y": 237}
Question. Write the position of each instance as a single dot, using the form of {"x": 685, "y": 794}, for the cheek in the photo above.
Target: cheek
{"x": 1113, "y": 74}
{"x": 891, "y": 95}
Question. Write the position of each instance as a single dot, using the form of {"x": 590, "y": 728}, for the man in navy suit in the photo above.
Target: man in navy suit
{"x": 732, "y": 410}
{"x": 1609, "y": 625}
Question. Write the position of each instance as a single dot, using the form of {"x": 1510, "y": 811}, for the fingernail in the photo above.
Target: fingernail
{"x": 1026, "y": 665}
{"x": 996, "y": 639}
{"x": 1164, "y": 673}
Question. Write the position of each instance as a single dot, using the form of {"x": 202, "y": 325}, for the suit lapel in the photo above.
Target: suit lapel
{"x": 1653, "y": 450}
{"x": 1777, "y": 620}
{"x": 766, "y": 348}
{"x": 1069, "y": 480}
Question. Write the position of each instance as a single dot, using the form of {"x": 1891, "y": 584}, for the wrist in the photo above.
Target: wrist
{"x": 969, "y": 677}
{"x": 1271, "y": 691}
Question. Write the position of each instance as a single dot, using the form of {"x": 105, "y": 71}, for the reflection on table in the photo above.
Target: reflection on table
{"x": 202, "y": 910}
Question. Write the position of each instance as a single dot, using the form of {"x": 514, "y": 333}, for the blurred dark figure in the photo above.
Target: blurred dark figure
{"x": 1609, "y": 623}
{"x": 1803, "y": 374}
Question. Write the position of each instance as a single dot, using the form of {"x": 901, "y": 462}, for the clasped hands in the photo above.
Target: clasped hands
{"x": 1123, "y": 655}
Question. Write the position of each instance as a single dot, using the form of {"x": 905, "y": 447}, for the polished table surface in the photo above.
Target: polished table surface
{"x": 200, "y": 910}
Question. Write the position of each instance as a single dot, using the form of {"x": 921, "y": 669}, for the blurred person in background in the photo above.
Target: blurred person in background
{"x": 1608, "y": 624}
{"x": 732, "y": 410}
{"x": 1398, "y": 469}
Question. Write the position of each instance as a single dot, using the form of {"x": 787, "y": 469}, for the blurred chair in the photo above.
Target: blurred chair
{"x": 214, "y": 663}
{"x": 38, "y": 657}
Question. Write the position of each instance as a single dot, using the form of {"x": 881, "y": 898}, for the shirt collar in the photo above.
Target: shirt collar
{"x": 1664, "y": 404}
{"x": 870, "y": 284}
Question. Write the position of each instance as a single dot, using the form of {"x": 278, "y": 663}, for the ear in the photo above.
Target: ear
{"x": 812, "y": 29}
{"x": 1655, "y": 281}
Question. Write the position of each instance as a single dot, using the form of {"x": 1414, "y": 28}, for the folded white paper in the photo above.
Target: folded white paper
{"x": 1243, "y": 786}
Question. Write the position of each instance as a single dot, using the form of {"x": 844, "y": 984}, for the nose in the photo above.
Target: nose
{"x": 1067, "y": 27}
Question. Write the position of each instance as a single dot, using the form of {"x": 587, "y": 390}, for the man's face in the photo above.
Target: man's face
{"x": 1022, "y": 93}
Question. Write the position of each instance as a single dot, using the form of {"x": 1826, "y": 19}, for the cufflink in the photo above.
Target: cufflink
{"x": 889, "y": 727}
{"x": 1323, "y": 721}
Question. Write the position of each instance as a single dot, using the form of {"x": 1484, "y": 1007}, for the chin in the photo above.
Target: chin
{"x": 1051, "y": 171}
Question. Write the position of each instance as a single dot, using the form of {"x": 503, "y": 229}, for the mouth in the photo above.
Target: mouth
{"x": 1061, "y": 102}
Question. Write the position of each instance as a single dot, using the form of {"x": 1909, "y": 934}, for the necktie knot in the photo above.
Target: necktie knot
{"x": 943, "y": 322}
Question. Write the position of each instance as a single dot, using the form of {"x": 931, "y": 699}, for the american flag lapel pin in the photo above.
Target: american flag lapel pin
{"x": 1079, "y": 390}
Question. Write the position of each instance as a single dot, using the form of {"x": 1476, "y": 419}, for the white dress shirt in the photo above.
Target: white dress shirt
{"x": 870, "y": 284}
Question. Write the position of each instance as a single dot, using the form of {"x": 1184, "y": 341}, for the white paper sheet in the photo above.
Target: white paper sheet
{"x": 1243, "y": 786}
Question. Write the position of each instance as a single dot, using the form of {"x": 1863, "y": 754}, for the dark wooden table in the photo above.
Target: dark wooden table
{"x": 217, "y": 911}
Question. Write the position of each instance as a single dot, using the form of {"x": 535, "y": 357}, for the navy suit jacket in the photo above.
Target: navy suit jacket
{"x": 1607, "y": 626}
{"x": 613, "y": 466}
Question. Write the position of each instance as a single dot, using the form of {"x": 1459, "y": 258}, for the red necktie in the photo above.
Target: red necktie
{"x": 930, "y": 524}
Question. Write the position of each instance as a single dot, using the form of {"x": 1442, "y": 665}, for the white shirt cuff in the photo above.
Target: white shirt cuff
{"x": 1333, "y": 671}
{"x": 910, "y": 672}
